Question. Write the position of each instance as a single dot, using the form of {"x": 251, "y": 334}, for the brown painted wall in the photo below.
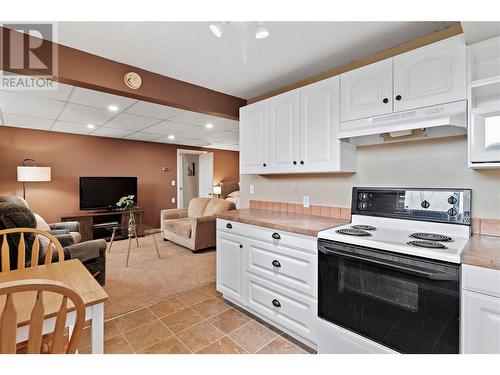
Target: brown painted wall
{"x": 72, "y": 156}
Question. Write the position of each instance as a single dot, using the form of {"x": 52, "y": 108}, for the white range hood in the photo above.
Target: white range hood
{"x": 442, "y": 120}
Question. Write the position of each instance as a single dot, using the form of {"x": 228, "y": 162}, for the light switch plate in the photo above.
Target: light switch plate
{"x": 173, "y": 200}
{"x": 305, "y": 201}
{"x": 252, "y": 189}
{"x": 173, "y": 182}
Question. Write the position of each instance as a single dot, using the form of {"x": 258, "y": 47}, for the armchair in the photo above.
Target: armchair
{"x": 194, "y": 227}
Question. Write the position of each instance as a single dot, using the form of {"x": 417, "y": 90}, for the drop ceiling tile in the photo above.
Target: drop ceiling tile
{"x": 158, "y": 111}
{"x": 168, "y": 127}
{"x": 99, "y": 99}
{"x": 196, "y": 132}
{"x": 131, "y": 122}
{"x": 85, "y": 114}
{"x": 176, "y": 140}
{"x": 194, "y": 142}
{"x": 110, "y": 132}
{"x": 31, "y": 106}
{"x": 57, "y": 91}
{"x": 26, "y": 122}
{"x": 195, "y": 118}
{"x": 223, "y": 137}
{"x": 71, "y": 127}
{"x": 226, "y": 124}
{"x": 222, "y": 146}
{"x": 139, "y": 136}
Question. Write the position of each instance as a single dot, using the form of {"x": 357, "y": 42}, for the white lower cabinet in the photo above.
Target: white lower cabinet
{"x": 480, "y": 310}
{"x": 273, "y": 274}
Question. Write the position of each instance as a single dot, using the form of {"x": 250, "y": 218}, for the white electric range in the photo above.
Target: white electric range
{"x": 389, "y": 280}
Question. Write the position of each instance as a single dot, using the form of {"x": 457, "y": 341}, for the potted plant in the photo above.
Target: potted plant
{"x": 127, "y": 203}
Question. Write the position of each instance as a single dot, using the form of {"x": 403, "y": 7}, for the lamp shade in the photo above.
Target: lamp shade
{"x": 33, "y": 174}
{"x": 217, "y": 190}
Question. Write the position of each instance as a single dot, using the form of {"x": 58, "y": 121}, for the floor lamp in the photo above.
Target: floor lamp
{"x": 32, "y": 173}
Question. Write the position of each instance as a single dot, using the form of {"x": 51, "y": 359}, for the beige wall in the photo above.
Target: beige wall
{"x": 190, "y": 183}
{"x": 430, "y": 163}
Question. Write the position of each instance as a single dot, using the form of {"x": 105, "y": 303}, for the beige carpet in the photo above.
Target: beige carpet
{"x": 149, "y": 280}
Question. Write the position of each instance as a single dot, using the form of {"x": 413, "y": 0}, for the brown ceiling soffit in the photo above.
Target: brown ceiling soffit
{"x": 83, "y": 69}
{"x": 447, "y": 32}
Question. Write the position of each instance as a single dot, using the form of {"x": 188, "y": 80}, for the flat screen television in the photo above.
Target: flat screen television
{"x": 97, "y": 193}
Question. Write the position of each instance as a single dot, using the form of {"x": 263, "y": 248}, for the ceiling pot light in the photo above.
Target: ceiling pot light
{"x": 209, "y": 126}
{"x": 261, "y": 32}
{"x": 113, "y": 108}
{"x": 171, "y": 137}
{"x": 91, "y": 126}
{"x": 217, "y": 28}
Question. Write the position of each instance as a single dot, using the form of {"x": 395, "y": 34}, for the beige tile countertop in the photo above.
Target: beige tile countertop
{"x": 482, "y": 251}
{"x": 289, "y": 222}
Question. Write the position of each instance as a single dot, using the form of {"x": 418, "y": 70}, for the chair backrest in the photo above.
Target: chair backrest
{"x": 53, "y": 243}
{"x": 9, "y": 316}
{"x": 197, "y": 207}
{"x": 217, "y": 205}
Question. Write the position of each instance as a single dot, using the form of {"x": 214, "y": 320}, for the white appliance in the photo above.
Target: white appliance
{"x": 389, "y": 281}
{"x": 442, "y": 120}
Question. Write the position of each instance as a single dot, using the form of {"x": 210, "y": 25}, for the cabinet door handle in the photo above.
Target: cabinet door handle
{"x": 241, "y": 246}
{"x": 385, "y": 101}
{"x": 264, "y": 164}
{"x": 276, "y": 264}
{"x": 398, "y": 97}
{"x": 295, "y": 162}
{"x": 302, "y": 162}
{"x": 276, "y": 303}
{"x": 276, "y": 236}
{"x": 229, "y": 226}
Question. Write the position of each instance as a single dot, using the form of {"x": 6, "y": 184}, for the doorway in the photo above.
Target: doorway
{"x": 194, "y": 175}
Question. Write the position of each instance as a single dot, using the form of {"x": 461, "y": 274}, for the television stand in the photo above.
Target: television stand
{"x": 95, "y": 224}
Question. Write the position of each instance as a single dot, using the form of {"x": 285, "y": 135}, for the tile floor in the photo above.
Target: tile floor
{"x": 199, "y": 321}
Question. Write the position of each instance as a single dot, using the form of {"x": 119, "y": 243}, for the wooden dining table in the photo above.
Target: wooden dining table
{"x": 72, "y": 273}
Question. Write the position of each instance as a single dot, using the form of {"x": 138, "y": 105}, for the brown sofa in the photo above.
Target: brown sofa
{"x": 194, "y": 227}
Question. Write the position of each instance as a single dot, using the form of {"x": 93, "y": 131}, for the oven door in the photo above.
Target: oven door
{"x": 406, "y": 303}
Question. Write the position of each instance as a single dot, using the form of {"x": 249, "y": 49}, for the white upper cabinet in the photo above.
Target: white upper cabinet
{"x": 367, "y": 91}
{"x": 319, "y": 147}
{"x": 430, "y": 75}
{"x": 253, "y": 138}
{"x": 283, "y": 124}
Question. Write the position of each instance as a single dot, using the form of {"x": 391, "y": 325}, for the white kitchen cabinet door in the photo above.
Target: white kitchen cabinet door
{"x": 319, "y": 147}
{"x": 481, "y": 323}
{"x": 254, "y": 138}
{"x": 430, "y": 75}
{"x": 367, "y": 91}
{"x": 230, "y": 266}
{"x": 283, "y": 139}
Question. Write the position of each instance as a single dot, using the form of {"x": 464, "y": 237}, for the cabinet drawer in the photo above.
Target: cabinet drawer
{"x": 293, "y": 311}
{"x": 279, "y": 237}
{"x": 291, "y": 268}
{"x": 482, "y": 280}
{"x": 231, "y": 226}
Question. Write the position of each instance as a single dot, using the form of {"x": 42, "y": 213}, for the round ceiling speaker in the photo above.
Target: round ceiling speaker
{"x": 132, "y": 80}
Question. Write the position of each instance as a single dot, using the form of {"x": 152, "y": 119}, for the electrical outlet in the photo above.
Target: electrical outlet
{"x": 173, "y": 200}
{"x": 305, "y": 201}
{"x": 173, "y": 182}
{"x": 252, "y": 189}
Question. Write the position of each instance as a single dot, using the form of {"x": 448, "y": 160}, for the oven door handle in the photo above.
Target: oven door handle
{"x": 417, "y": 272}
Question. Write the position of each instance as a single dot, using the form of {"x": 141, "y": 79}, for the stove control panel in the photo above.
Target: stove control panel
{"x": 441, "y": 205}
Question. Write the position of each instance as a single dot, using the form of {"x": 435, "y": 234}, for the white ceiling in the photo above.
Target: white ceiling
{"x": 70, "y": 109}
{"x": 237, "y": 63}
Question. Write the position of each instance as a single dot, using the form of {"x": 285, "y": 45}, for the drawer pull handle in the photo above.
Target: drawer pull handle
{"x": 276, "y": 236}
{"x": 276, "y": 303}
{"x": 241, "y": 246}
{"x": 276, "y": 263}
{"x": 229, "y": 226}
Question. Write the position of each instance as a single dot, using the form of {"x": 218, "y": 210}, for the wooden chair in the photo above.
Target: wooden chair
{"x": 8, "y": 318}
{"x": 35, "y": 249}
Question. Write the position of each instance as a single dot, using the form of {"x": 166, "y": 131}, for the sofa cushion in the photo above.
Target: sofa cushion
{"x": 217, "y": 205}
{"x": 197, "y": 207}
{"x": 41, "y": 223}
{"x": 181, "y": 227}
